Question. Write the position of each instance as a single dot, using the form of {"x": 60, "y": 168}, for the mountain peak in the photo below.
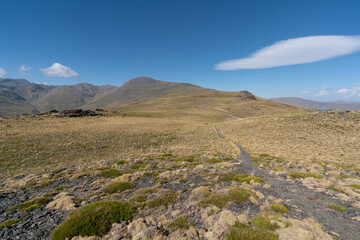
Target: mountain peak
{"x": 140, "y": 80}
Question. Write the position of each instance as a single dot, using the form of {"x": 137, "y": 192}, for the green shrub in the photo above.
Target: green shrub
{"x": 31, "y": 205}
{"x": 94, "y": 219}
{"x": 213, "y": 160}
{"x": 341, "y": 176}
{"x": 161, "y": 201}
{"x": 110, "y": 173}
{"x": 218, "y": 199}
{"x": 180, "y": 223}
{"x": 305, "y": 175}
{"x": 121, "y": 162}
{"x": 137, "y": 165}
{"x": 241, "y": 231}
{"x": 337, "y": 207}
{"x": 60, "y": 188}
{"x": 118, "y": 187}
{"x": 279, "y": 208}
{"x": 239, "y": 195}
{"x": 9, "y": 222}
{"x": 265, "y": 222}
{"x": 336, "y": 189}
{"x": 240, "y": 178}
{"x": 139, "y": 198}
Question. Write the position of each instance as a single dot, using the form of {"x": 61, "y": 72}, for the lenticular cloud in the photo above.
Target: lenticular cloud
{"x": 295, "y": 51}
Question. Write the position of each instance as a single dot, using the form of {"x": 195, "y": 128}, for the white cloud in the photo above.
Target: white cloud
{"x": 295, "y": 51}
{"x": 23, "y": 69}
{"x": 322, "y": 93}
{"x": 2, "y": 72}
{"x": 58, "y": 70}
{"x": 349, "y": 92}
{"x": 306, "y": 91}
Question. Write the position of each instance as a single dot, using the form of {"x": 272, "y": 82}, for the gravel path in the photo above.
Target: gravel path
{"x": 312, "y": 204}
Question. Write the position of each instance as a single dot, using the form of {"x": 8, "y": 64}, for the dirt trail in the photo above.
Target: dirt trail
{"x": 311, "y": 203}
{"x": 217, "y": 111}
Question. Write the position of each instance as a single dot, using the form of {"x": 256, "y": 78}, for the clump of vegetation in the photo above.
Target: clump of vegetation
{"x": 31, "y": 205}
{"x": 239, "y": 195}
{"x": 213, "y": 160}
{"x": 110, "y": 173}
{"x": 94, "y": 219}
{"x": 240, "y": 178}
{"x": 241, "y": 231}
{"x": 337, "y": 207}
{"x": 60, "y": 188}
{"x": 137, "y": 165}
{"x": 218, "y": 199}
{"x": 336, "y": 189}
{"x": 180, "y": 223}
{"x": 305, "y": 175}
{"x": 342, "y": 176}
{"x": 265, "y": 221}
{"x": 9, "y": 222}
{"x": 355, "y": 187}
{"x": 118, "y": 187}
{"x": 121, "y": 162}
{"x": 279, "y": 208}
{"x": 161, "y": 201}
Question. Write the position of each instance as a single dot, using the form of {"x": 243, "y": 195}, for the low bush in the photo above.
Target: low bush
{"x": 94, "y": 219}
{"x": 240, "y": 178}
{"x": 266, "y": 221}
{"x": 161, "y": 201}
{"x": 218, "y": 199}
{"x": 110, "y": 173}
{"x": 241, "y": 231}
{"x": 305, "y": 175}
{"x": 279, "y": 208}
{"x": 239, "y": 195}
{"x": 337, "y": 207}
{"x": 180, "y": 223}
{"x": 118, "y": 187}
{"x": 31, "y": 205}
{"x": 9, "y": 223}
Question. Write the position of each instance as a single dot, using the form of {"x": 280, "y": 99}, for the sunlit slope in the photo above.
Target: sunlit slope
{"x": 186, "y": 102}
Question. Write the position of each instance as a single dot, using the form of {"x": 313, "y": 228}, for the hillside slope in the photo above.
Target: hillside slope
{"x": 18, "y": 96}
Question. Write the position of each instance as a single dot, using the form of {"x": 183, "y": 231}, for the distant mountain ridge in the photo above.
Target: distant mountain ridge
{"x": 18, "y": 96}
{"x": 142, "y": 95}
{"x": 323, "y": 106}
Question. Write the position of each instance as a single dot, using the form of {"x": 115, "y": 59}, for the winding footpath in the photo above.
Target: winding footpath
{"x": 311, "y": 203}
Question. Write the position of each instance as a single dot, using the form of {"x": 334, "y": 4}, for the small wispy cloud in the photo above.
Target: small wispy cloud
{"x": 295, "y": 51}
{"x": 322, "y": 93}
{"x": 58, "y": 70}
{"x": 23, "y": 69}
{"x": 349, "y": 92}
{"x": 2, "y": 72}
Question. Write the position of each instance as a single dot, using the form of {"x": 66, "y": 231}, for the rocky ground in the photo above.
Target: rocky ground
{"x": 189, "y": 197}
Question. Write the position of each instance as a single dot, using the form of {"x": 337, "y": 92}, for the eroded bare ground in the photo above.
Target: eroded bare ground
{"x": 308, "y": 198}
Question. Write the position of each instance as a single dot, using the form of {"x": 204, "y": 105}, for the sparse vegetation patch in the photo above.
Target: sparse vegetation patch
{"x": 241, "y": 231}
{"x": 31, "y": 205}
{"x": 279, "y": 208}
{"x": 94, "y": 219}
{"x": 8, "y": 222}
{"x": 337, "y": 207}
{"x": 118, "y": 187}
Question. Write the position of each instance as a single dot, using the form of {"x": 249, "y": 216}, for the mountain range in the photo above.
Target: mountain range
{"x": 323, "y": 106}
{"x": 142, "y": 94}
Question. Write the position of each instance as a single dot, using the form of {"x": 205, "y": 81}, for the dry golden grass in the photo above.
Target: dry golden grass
{"x": 327, "y": 137}
{"x": 34, "y": 144}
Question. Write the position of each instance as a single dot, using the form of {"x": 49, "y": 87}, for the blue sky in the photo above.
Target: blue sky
{"x": 110, "y": 42}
